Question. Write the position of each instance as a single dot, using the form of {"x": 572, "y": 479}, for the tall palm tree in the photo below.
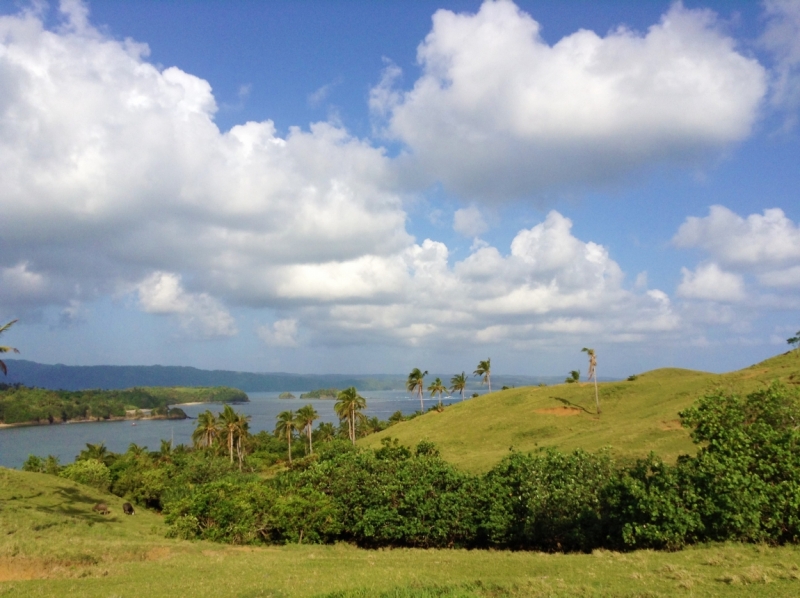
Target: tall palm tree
{"x": 3, "y": 328}
{"x": 306, "y": 416}
{"x": 286, "y": 426}
{"x": 206, "y": 431}
{"x": 437, "y": 387}
{"x": 485, "y": 370}
{"x": 242, "y": 425}
{"x": 229, "y": 424}
{"x": 348, "y": 407}
{"x": 415, "y": 383}
{"x": 459, "y": 383}
{"x": 593, "y": 374}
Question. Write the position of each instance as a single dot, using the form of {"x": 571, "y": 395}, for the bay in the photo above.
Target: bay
{"x": 65, "y": 441}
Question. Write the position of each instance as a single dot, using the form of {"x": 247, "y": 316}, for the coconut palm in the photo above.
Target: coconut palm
{"x": 574, "y": 376}
{"x": 242, "y": 426}
{"x": 348, "y": 407}
{"x": 485, "y": 370}
{"x": 437, "y": 387}
{"x": 593, "y": 374}
{"x": 206, "y": 431}
{"x": 230, "y": 426}
{"x": 286, "y": 426}
{"x": 6, "y": 349}
{"x": 305, "y": 417}
{"x": 415, "y": 383}
{"x": 793, "y": 341}
{"x": 459, "y": 383}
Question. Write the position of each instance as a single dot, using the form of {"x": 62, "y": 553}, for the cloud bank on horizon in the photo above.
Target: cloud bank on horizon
{"x": 115, "y": 181}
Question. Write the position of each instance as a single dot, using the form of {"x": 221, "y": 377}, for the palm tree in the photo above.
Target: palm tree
{"x": 6, "y": 349}
{"x": 573, "y": 377}
{"x": 325, "y": 432}
{"x": 415, "y": 383}
{"x": 305, "y": 417}
{"x": 459, "y": 383}
{"x": 286, "y": 426}
{"x": 242, "y": 425}
{"x": 348, "y": 408}
{"x": 593, "y": 374}
{"x": 485, "y": 370}
{"x": 229, "y": 423}
{"x": 793, "y": 341}
{"x": 206, "y": 431}
{"x": 437, "y": 387}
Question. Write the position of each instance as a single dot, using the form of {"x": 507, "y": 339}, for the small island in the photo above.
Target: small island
{"x": 286, "y": 395}
{"x": 24, "y": 406}
{"x": 322, "y": 393}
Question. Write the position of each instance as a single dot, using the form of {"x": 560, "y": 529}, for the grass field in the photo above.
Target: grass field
{"x": 52, "y": 544}
{"x": 637, "y": 417}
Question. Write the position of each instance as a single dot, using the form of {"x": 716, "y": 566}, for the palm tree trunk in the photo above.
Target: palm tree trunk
{"x": 289, "y": 440}
{"x": 489, "y": 380}
{"x": 596, "y": 395}
{"x": 230, "y": 443}
{"x": 310, "y": 445}
{"x": 421, "y": 405}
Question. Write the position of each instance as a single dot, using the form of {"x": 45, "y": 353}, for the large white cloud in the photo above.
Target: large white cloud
{"x": 115, "y": 179}
{"x": 758, "y": 243}
{"x": 112, "y": 169}
{"x": 500, "y": 113}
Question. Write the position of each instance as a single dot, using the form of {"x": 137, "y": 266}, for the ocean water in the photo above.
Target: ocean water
{"x": 65, "y": 441}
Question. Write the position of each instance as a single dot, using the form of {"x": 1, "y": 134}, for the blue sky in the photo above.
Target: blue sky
{"x": 369, "y": 187}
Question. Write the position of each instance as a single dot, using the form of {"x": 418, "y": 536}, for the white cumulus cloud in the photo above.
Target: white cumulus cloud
{"x": 711, "y": 283}
{"x": 282, "y": 333}
{"x": 469, "y": 222}
{"x": 200, "y": 314}
{"x": 499, "y": 113}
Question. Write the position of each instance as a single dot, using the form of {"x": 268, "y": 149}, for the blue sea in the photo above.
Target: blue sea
{"x": 65, "y": 441}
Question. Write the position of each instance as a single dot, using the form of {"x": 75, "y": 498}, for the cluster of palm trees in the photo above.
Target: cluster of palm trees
{"x": 416, "y": 382}
{"x": 349, "y": 406}
{"x": 228, "y": 428}
{"x": 289, "y": 422}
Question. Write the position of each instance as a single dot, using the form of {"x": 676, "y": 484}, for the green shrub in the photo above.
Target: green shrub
{"x": 90, "y": 472}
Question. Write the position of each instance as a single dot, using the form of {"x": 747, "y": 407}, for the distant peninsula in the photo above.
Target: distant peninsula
{"x": 21, "y": 405}
{"x": 322, "y": 393}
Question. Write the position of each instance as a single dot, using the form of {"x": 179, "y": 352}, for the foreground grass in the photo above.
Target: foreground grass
{"x": 637, "y": 417}
{"x": 52, "y": 544}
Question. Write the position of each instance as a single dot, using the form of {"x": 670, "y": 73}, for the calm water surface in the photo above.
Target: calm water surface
{"x": 65, "y": 441}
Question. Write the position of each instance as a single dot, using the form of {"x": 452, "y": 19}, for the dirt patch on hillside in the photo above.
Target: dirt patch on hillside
{"x": 560, "y": 411}
{"x": 15, "y": 569}
{"x": 673, "y": 424}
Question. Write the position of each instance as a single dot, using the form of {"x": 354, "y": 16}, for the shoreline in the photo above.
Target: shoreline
{"x": 88, "y": 421}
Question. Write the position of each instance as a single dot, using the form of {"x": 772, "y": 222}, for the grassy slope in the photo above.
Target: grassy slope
{"x": 52, "y": 544}
{"x": 638, "y": 416}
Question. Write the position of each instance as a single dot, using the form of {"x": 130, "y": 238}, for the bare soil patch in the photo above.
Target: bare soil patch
{"x": 560, "y": 411}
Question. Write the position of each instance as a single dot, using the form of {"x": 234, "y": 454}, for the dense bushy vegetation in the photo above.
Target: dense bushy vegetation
{"x": 20, "y": 404}
{"x": 743, "y": 484}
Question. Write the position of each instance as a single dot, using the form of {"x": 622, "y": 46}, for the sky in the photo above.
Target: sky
{"x": 368, "y": 187}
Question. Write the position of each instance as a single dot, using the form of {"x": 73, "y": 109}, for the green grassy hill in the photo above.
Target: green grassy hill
{"x": 637, "y": 417}
{"x": 52, "y": 544}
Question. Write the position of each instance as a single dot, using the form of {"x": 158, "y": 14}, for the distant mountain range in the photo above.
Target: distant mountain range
{"x": 80, "y": 377}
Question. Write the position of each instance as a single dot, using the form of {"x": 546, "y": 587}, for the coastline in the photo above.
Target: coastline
{"x": 88, "y": 421}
